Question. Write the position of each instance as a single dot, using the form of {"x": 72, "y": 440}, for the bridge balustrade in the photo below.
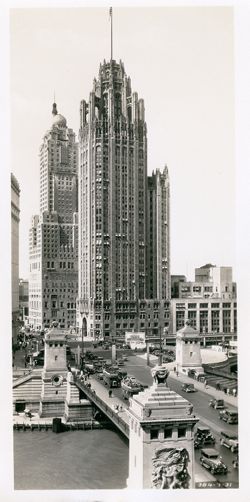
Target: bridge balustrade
{"x": 91, "y": 394}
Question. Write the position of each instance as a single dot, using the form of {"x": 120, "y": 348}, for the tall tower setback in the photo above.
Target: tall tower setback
{"x": 158, "y": 249}
{"x": 112, "y": 196}
{"x": 53, "y": 284}
{"x": 113, "y": 211}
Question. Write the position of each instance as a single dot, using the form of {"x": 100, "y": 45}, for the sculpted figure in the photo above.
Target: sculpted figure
{"x": 170, "y": 468}
{"x": 160, "y": 374}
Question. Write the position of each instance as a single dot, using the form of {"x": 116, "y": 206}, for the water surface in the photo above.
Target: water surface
{"x": 95, "y": 459}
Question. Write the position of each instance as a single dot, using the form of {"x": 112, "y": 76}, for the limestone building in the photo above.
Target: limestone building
{"x": 158, "y": 240}
{"x": 113, "y": 205}
{"x": 53, "y": 240}
{"x": 15, "y": 218}
{"x": 209, "y": 302}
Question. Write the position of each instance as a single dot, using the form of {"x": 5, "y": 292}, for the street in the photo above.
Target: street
{"x": 209, "y": 417}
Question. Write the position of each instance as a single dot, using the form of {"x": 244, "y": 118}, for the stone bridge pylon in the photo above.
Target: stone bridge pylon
{"x": 161, "y": 438}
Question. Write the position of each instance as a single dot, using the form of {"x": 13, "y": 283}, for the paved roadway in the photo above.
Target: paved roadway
{"x": 208, "y": 416}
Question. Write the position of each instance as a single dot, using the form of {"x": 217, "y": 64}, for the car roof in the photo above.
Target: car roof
{"x": 228, "y": 410}
{"x": 230, "y": 435}
{"x": 209, "y": 451}
{"x": 203, "y": 428}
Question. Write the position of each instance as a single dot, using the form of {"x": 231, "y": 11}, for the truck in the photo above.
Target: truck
{"x": 130, "y": 386}
{"x": 111, "y": 377}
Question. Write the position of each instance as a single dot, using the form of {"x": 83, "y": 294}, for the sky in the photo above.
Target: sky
{"x": 181, "y": 61}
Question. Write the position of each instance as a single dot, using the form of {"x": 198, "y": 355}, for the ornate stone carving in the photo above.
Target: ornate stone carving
{"x": 160, "y": 374}
{"x": 170, "y": 468}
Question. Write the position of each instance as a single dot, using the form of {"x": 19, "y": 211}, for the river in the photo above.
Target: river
{"x": 94, "y": 459}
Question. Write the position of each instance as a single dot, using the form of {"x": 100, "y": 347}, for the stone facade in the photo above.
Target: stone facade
{"x": 113, "y": 205}
{"x": 161, "y": 426}
{"x": 158, "y": 240}
{"x": 188, "y": 354}
{"x": 209, "y": 303}
{"x": 53, "y": 282}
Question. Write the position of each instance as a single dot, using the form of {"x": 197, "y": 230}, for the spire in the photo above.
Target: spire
{"x": 54, "y": 109}
{"x": 111, "y": 21}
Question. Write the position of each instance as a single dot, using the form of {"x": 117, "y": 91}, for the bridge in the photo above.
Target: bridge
{"x": 227, "y": 368}
{"x": 97, "y": 394}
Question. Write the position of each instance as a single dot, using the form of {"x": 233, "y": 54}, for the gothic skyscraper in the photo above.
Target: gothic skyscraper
{"x": 113, "y": 207}
{"x": 112, "y": 196}
{"x": 53, "y": 282}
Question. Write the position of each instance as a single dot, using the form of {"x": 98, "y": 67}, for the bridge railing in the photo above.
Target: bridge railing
{"x": 91, "y": 393}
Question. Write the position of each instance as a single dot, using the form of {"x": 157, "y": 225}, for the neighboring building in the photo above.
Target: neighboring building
{"x": 175, "y": 284}
{"x": 113, "y": 206}
{"x": 53, "y": 283}
{"x": 158, "y": 236}
{"x": 209, "y": 303}
{"x": 15, "y": 212}
{"x": 23, "y": 300}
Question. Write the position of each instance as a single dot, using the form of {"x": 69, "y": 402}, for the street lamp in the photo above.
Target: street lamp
{"x": 160, "y": 356}
{"x": 83, "y": 310}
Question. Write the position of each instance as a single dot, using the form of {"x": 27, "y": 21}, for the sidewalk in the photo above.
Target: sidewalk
{"x": 211, "y": 391}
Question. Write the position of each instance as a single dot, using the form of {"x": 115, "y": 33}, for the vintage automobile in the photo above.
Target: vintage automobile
{"x": 235, "y": 462}
{"x": 188, "y": 387}
{"x": 202, "y": 437}
{"x": 217, "y": 404}
{"x": 229, "y": 440}
{"x": 229, "y": 416}
{"x": 211, "y": 460}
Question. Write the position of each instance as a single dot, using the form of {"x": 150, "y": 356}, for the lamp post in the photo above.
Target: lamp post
{"x": 82, "y": 310}
{"x": 160, "y": 356}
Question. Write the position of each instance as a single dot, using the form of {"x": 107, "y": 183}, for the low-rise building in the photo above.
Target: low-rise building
{"x": 209, "y": 303}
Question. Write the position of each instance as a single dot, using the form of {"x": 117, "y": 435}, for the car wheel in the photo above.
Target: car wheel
{"x": 232, "y": 449}
{"x": 212, "y": 470}
{"x": 221, "y": 442}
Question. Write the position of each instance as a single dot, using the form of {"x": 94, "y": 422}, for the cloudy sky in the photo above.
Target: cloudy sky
{"x": 181, "y": 61}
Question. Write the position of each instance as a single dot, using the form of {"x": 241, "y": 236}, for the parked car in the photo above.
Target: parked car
{"x": 90, "y": 368}
{"x": 188, "y": 387}
{"x": 229, "y": 416}
{"x": 230, "y": 440}
{"x": 217, "y": 404}
{"x": 235, "y": 462}
{"x": 211, "y": 460}
{"x": 38, "y": 358}
{"x": 196, "y": 374}
{"x": 203, "y": 436}
{"x": 120, "y": 362}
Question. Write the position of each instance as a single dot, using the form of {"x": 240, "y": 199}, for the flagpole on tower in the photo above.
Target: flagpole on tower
{"x": 111, "y": 20}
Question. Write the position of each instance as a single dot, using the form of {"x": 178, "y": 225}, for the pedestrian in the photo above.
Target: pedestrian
{"x": 110, "y": 393}
{"x": 205, "y": 384}
{"x": 234, "y": 392}
{"x": 177, "y": 373}
{"x": 121, "y": 408}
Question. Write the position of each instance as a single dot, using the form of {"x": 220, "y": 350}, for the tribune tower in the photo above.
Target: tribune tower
{"x": 112, "y": 199}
